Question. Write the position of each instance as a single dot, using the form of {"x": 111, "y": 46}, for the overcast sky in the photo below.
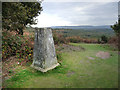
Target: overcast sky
{"x": 77, "y": 13}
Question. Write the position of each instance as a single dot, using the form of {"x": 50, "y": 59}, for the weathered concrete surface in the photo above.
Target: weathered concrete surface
{"x": 44, "y": 57}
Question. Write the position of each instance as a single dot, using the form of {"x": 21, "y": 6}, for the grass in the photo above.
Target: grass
{"x": 75, "y": 71}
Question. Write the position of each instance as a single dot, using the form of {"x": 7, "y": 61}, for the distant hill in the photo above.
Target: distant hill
{"x": 85, "y": 31}
{"x": 82, "y": 27}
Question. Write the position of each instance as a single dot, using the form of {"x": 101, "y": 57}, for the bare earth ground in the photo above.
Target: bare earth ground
{"x": 91, "y": 58}
{"x": 9, "y": 66}
{"x": 103, "y": 55}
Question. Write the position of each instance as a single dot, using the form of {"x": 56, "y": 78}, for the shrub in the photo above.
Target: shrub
{"x": 104, "y": 39}
{"x": 77, "y": 39}
{"x": 99, "y": 41}
{"x": 10, "y": 44}
{"x": 59, "y": 38}
{"x": 114, "y": 41}
{"x": 13, "y": 44}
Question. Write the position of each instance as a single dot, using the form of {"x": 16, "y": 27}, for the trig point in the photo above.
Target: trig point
{"x": 44, "y": 56}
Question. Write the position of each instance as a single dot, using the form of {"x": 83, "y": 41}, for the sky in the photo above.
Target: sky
{"x": 77, "y": 13}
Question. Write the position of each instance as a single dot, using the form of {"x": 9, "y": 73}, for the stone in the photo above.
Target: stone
{"x": 44, "y": 56}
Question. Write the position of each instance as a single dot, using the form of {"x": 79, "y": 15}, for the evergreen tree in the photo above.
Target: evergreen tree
{"x": 16, "y": 15}
{"x": 116, "y": 28}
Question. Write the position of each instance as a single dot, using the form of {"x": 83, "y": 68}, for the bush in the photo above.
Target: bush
{"x": 114, "y": 41}
{"x": 77, "y": 39}
{"x": 59, "y": 38}
{"x": 104, "y": 39}
{"x": 10, "y": 44}
{"x": 13, "y": 44}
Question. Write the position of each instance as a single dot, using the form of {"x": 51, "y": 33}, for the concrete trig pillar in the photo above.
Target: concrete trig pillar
{"x": 44, "y": 56}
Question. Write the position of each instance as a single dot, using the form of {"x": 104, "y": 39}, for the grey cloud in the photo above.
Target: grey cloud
{"x": 84, "y": 12}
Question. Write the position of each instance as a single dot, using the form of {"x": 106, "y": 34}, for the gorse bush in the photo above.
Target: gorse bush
{"x": 13, "y": 44}
{"x": 10, "y": 44}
